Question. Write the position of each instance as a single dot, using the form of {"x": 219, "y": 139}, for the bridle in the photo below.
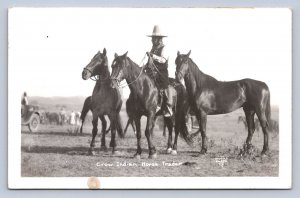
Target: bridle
{"x": 179, "y": 72}
{"x": 97, "y": 77}
{"x": 125, "y": 85}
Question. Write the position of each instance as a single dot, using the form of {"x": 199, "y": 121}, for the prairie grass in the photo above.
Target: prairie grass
{"x": 54, "y": 152}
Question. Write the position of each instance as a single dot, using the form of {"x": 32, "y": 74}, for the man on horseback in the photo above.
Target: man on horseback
{"x": 158, "y": 66}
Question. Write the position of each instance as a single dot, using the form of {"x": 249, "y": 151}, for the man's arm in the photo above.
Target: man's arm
{"x": 161, "y": 59}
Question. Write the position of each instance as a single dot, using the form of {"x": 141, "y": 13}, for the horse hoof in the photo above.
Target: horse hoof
{"x": 174, "y": 152}
{"x": 264, "y": 153}
{"x": 137, "y": 156}
{"x": 169, "y": 150}
{"x": 153, "y": 156}
{"x": 203, "y": 152}
{"x": 92, "y": 152}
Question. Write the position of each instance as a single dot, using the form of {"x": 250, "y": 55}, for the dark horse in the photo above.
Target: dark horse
{"x": 87, "y": 106}
{"x": 105, "y": 100}
{"x": 145, "y": 95}
{"x": 208, "y": 96}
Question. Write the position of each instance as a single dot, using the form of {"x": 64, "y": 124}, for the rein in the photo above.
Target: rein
{"x": 179, "y": 72}
{"x": 97, "y": 77}
{"x": 142, "y": 68}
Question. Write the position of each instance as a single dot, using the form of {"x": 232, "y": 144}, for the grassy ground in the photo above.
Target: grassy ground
{"x": 53, "y": 152}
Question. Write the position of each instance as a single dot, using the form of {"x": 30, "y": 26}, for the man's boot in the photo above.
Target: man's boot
{"x": 160, "y": 100}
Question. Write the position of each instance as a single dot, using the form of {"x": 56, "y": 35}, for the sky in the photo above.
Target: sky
{"x": 49, "y": 47}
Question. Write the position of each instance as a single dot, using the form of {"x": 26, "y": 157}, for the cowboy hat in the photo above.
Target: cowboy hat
{"x": 156, "y": 32}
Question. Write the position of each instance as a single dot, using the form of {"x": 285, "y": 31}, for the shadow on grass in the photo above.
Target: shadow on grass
{"x": 79, "y": 150}
{"x": 56, "y": 149}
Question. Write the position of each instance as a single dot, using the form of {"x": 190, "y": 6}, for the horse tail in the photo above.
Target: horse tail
{"x": 268, "y": 111}
{"x": 180, "y": 124}
{"x": 182, "y": 109}
{"x": 119, "y": 126}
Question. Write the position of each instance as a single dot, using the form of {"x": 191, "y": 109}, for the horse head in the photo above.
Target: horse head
{"x": 182, "y": 65}
{"x": 94, "y": 67}
{"x": 119, "y": 69}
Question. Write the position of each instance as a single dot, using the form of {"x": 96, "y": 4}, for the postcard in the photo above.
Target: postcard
{"x": 149, "y": 98}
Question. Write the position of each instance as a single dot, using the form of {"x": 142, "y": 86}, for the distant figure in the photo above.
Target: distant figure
{"x": 72, "y": 118}
{"x": 24, "y": 99}
{"x": 62, "y": 115}
{"x": 24, "y": 104}
{"x": 72, "y": 121}
{"x": 75, "y": 122}
{"x": 77, "y": 118}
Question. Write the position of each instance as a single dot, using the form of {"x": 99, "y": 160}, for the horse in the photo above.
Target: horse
{"x": 208, "y": 96}
{"x": 105, "y": 101}
{"x": 87, "y": 106}
{"x": 53, "y": 117}
{"x": 145, "y": 94}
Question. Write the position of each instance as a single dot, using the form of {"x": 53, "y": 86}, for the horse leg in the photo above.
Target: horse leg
{"x": 119, "y": 126}
{"x": 148, "y": 132}
{"x": 164, "y": 128}
{"x": 202, "y": 119}
{"x": 82, "y": 117}
{"x": 133, "y": 126}
{"x": 138, "y": 153}
{"x": 264, "y": 124}
{"x": 249, "y": 113}
{"x": 113, "y": 124}
{"x": 94, "y": 133}
{"x": 128, "y": 122}
{"x": 103, "y": 133}
{"x": 168, "y": 122}
{"x": 174, "y": 148}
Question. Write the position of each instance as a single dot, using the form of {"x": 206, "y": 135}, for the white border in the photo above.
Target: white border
{"x": 283, "y": 181}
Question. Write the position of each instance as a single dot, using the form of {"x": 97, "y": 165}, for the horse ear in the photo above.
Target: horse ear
{"x": 125, "y": 54}
{"x": 104, "y": 51}
{"x": 116, "y": 55}
{"x": 189, "y": 53}
{"x": 178, "y": 53}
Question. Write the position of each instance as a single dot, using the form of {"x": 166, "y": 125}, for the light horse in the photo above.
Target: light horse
{"x": 208, "y": 96}
{"x": 105, "y": 101}
{"x": 145, "y": 94}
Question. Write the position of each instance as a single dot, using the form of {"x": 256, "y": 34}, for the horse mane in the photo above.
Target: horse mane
{"x": 200, "y": 77}
{"x": 132, "y": 63}
{"x": 103, "y": 70}
{"x": 138, "y": 69}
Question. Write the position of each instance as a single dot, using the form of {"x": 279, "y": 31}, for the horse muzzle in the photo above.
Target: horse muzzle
{"x": 179, "y": 77}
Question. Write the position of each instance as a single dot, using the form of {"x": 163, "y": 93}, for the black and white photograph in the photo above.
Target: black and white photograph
{"x": 149, "y": 98}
